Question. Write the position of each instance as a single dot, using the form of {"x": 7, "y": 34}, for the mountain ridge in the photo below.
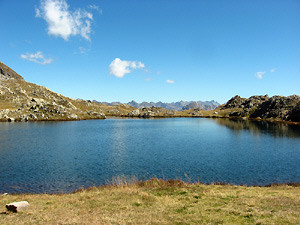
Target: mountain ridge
{"x": 178, "y": 106}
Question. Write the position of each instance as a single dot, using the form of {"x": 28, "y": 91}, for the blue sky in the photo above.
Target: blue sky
{"x": 154, "y": 50}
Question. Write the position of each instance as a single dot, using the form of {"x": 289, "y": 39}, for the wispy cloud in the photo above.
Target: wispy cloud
{"x": 170, "y": 81}
{"x": 37, "y": 58}
{"x": 259, "y": 75}
{"x": 95, "y": 7}
{"x": 120, "y": 67}
{"x": 62, "y": 22}
{"x": 273, "y": 70}
{"x": 148, "y": 79}
{"x": 38, "y": 12}
{"x": 83, "y": 50}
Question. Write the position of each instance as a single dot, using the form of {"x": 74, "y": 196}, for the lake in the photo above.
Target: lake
{"x": 56, "y": 157}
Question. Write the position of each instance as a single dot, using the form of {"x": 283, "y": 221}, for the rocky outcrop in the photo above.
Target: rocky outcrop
{"x": 245, "y": 103}
{"x": 264, "y": 107}
{"x": 278, "y": 107}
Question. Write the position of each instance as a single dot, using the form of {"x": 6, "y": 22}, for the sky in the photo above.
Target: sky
{"x": 154, "y": 50}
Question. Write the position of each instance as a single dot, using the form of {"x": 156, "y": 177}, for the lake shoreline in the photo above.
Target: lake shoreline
{"x": 124, "y": 181}
{"x": 162, "y": 117}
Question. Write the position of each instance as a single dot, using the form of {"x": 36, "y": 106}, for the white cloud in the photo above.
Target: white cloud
{"x": 120, "y": 67}
{"x": 273, "y": 70}
{"x": 37, "y": 58}
{"x": 259, "y": 75}
{"x": 62, "y": 22}
{"x": 170, "y": 81}
{"x": 148, "y": 79}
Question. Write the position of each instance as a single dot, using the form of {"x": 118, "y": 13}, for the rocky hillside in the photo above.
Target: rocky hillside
{"x": 24, "y": 101}
{"x": 264, "y": 107}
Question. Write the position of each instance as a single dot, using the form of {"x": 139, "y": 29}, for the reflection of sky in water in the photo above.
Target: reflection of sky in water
{"x": 118, "y": 145}
{"x": 63, "y": 156}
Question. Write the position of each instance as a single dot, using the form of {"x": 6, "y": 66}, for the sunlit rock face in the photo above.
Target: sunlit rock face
{"x": 265, "y": 107}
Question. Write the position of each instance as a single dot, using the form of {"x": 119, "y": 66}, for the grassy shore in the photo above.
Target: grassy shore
{"x": 160, "y": 202}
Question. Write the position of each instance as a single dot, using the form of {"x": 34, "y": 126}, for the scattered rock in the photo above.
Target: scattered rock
{"x": 73, "y": 116}
{"x": 11, "y": 119}
{"x": 17, "y": 206}
{"x": 32, "y": 116}
{"x": 135, "y": 112}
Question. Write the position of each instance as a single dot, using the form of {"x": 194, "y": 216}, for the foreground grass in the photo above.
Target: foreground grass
{"x": 160, "y": 202}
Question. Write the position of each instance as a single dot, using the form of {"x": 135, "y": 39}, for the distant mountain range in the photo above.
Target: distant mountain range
{"x": 178, "y": 106}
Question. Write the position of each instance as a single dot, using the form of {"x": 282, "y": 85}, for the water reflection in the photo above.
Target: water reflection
{"x": 259, "y": 128}
{"x": 118, "y": 145}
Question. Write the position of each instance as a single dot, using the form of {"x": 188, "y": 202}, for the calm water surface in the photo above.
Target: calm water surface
{"x": 64, "y": 156}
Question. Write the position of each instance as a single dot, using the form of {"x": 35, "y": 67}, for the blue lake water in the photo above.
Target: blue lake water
{"x": 64, "y": 156}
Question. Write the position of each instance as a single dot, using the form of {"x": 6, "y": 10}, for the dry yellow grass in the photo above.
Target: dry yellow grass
{"x": 160, "y": 202}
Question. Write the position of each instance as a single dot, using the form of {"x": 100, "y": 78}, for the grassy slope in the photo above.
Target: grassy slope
{"x": 161, "y": 202}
